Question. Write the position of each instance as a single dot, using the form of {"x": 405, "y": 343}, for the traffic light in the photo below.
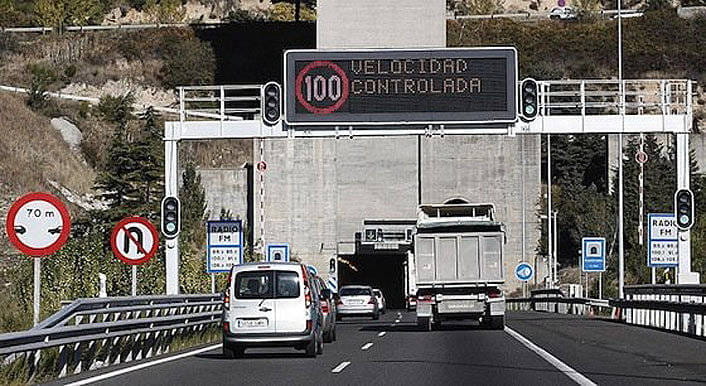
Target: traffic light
{"x": 271, "y": 98}
{"x": 529, "y": 99}
{"x": 684, "y": 208}
{"x": 171, "y": 216}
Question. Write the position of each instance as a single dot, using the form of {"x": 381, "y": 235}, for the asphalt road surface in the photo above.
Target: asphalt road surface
{"x": 535, "y": 349}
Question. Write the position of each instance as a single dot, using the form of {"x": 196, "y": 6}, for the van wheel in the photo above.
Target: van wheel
{"x": 320, "y": 345}
{"x": 232, "y": 352}
{"x": 311, "y": 348}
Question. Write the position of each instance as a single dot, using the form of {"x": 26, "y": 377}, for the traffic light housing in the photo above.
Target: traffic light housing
{"x": 271, "y": 109}
{"x": 529, "y": 99}
{"x": 171, "y": 217}
{"x": 684, "y": 208}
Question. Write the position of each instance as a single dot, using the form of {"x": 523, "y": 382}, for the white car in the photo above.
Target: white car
{"x": 563, "y": 13}
{"x": 271, "y": 305}
{"x": 382, "y": 303}
{"x": 357, "y": 300}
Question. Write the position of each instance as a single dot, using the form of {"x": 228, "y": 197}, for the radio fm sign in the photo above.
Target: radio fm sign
{"x": 457, "y": 85}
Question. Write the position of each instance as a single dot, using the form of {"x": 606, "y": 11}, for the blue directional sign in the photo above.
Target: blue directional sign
{"x": 524, "y": 272}
{"x": 278, "y": 252}
{"x": 593, "y": 256}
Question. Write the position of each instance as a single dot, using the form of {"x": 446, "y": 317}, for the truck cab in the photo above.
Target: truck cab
{"x": 458, "y": 258}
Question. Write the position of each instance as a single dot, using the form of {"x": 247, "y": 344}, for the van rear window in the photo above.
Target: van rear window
{"x": 266, "y": 285}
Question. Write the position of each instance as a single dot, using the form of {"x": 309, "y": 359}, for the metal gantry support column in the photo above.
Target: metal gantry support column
{"x": 171, "y": 188}
{"x": 685, "y": 275}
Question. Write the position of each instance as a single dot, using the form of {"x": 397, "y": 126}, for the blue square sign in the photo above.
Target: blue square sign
{"x": 593, "y": 256}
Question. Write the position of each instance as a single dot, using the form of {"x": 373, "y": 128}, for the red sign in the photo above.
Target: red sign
{"x": 134, "y": 240}
{"x": 38, "y": 224}
{"x": 323, "y": 83}
{"x": 261, "y": 166}
{"x": 641, "y": 157}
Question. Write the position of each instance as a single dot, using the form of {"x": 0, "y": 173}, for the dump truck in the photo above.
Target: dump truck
{"x": 458, "y": 258}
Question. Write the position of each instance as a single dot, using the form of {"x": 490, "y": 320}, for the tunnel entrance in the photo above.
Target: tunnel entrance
{"x": 383, "y": 271}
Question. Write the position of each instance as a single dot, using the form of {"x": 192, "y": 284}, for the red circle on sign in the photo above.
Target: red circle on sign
{"x": 641, "y": 157}
{"x": 65, "y": 224}
{"x": 309, "y": 106}
{"x": 262, "y": 166}
{"x": 122, "y": 225}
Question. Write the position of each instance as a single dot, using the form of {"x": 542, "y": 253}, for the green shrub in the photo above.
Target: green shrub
{"x": 188, "y": 61}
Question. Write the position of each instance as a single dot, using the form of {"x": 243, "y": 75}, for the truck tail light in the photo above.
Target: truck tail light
{"x": 425, "y": 299}
{"x": 226, "y": 326}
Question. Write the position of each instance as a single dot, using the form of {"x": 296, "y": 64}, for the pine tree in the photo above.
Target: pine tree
{"x": 149, "y": 155}
{"x": 115, "y": 179}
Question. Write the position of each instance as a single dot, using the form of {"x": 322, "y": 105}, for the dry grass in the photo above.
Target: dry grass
{"x": 32, "y": 152}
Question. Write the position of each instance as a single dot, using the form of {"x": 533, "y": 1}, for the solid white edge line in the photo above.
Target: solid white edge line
{"x": 382, "y": 333}
{"x": 142, "y": 366}
{"x": 554, "y": 361}
{"x": 340, "y": 367}
{"x": 367, "y": 346}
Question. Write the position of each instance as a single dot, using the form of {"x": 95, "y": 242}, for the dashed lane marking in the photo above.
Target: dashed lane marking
{"x": 382, "y": 333}
{"x": 554, "y": 361}
{"x": 340, "y": 367}
{"x": 367, "y": 346}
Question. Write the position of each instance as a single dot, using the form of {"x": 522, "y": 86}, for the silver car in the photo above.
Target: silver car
{"x": 357, "y": 300}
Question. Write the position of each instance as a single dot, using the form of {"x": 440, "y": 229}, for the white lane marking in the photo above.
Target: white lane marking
{"x": 382, "y": 333}
{"x": 340, "y": 367}
{"x": 554, "y": 361}
{"x": 142, "y": 366}
{"x": 397, "y": 320}
{"x": 367, "y": 346}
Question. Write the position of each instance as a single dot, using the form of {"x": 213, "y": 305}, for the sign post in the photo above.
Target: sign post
{"x": 134, "y": 241}
{"x": 224, "y": 245}
{"x": 38, "y": 224}
{"x": 593, "y": 259}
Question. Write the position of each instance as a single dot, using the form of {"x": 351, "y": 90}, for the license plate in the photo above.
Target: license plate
{"x": 355, "y": 302}
{"x": 252, "y": 323}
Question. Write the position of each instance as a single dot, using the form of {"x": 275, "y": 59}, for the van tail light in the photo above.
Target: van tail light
{"x": 309, "y": 325}
{"x": 226, "y": 294}
{"x": 339, "y": 302}
{"x": 307, "y": 296}
{"x": 494, "y": 293}
{"x": 425, "y": 299}
{"x": 324, "y": 307}
{"x": 226, "y": 326}
{"x": 372, "y": 300}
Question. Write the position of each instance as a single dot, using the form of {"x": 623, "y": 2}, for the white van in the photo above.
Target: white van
{"x": 271, "y": 305}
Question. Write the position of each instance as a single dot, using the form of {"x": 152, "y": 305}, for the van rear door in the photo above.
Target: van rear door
{"x": 291, "y": 313}
{"x": 253, "y": 307}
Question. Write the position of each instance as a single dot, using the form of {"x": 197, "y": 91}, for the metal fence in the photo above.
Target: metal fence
{"x": 98, "y": 332}
{"x": 680, "y": 308}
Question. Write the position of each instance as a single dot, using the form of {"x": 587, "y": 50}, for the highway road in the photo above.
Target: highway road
{"x": 536, "y": 348}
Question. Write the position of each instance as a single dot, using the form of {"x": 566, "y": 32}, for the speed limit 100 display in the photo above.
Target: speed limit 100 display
{"x": 400, "y": 87}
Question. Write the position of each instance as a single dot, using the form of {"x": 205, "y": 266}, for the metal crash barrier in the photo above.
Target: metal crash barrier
{"x": 97, "y": 332}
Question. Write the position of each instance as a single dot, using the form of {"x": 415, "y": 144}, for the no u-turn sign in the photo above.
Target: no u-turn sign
{"x": 134, "y": 240}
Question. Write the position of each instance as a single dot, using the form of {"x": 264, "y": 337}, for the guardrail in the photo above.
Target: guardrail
{"x": 680, "y": 308}
{"x": 98, "y": 332}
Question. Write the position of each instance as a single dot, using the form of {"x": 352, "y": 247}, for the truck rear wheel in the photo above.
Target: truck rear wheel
{"x": 424, "y": 323}
{"x": 494, "y": 322}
